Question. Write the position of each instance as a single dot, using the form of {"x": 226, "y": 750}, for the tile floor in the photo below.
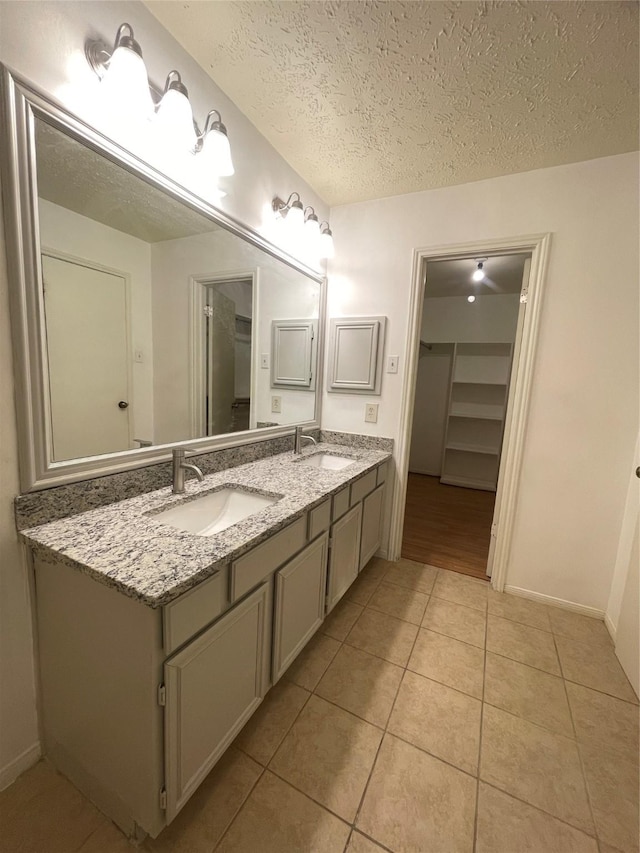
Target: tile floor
{"x": 429, "y": 715}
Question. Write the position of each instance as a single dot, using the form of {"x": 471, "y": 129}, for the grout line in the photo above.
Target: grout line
{"x": 482, "y": 704}
{"x": 263, "y": 770}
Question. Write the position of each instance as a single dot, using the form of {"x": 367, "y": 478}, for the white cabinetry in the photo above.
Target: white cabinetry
{"x": 344, "y": 557}
{"x": 475, "y": 419}
{"x": 213, "y": 685}
{"x": 299, "y": 603}
{"x": 371, "y": 525}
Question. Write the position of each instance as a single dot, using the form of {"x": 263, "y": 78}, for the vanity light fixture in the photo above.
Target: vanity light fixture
{"x": 291, "y": 210}
{"x": 478, "y": 274}
{"x": 311, "y": 224}
{"x": 213, "y": 142}
{"x": 326, "y": 241}
{"x": 174, "y": 115}
{"x": 124, "y": 76}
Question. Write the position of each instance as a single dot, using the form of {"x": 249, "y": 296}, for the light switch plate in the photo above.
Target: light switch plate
{"x": 264, "y": 361}
{"x": 371, "y": 413}
{"x": 276, "y": 404}
{"x": 392, "y": 364}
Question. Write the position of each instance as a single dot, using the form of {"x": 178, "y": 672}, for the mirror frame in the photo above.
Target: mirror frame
{"x": 21, "y": 104}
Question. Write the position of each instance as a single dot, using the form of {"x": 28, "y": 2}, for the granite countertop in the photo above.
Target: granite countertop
{"x": 123, "y": 546}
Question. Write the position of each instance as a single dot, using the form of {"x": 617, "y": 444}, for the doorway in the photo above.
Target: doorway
{"x": 517, "y": 397}
{"x": 469, "y": 323}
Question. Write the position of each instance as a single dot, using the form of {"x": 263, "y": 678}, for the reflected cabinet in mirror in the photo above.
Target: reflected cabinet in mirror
{"x": 149, "y": 317}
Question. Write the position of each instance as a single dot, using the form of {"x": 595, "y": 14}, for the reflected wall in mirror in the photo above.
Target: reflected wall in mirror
{"x": 156, "y": 320}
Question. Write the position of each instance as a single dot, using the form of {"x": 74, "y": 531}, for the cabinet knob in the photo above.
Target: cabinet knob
{"x": 123, "y": 404}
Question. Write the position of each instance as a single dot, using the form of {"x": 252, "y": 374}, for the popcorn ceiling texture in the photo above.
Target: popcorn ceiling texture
{"x": 370, "y": 99}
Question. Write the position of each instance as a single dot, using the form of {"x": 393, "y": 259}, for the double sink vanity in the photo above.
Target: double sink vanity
{"x": 181, "y": 611}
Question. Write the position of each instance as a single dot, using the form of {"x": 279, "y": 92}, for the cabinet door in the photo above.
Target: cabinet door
{"x": 299, "y": 603}
{"x": 371, "y": 525}
{"x": 213, "y": 686}
{"x": 344, "y": 555}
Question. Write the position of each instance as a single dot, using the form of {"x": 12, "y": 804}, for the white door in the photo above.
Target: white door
{"x": 221, "y": 360}
{"x": 514, "y": 364}
{"x": 86, "y": 340}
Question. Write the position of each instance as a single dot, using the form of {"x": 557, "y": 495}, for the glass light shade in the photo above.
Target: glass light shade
{"x": 326, "y": 245}
{"x": 295, "y": 216}
{"x": 174, "y": 121}
{"x": 312, "y": 228}
{"x": 217, "y": 151}
{"x": 126, "y": 84}
{"x": 471, "y": 298}
{"x": 478, "y": 275}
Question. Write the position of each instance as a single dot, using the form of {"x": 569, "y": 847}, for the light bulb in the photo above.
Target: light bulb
{"x": 126, "y": 84}
{"x": 471, "y": 299}
{"x": 217, "y": 151}
{"x": 174, "y": 120}
{"x": 295, "y": 215}
{"x": 312, "y": 227}
{"x": 478, "y": 274}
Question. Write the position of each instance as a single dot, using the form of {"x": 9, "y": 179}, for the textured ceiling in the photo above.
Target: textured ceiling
{"x": 369, "y": 99}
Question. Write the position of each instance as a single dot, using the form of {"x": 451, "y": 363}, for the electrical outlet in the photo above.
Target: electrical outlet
{"x": 138, "y": 356}
{"x": 371, "y": 413}
{"x": 392, "y": 364}
{"x": 264, "y": 361}
{"x": 276, "y": 404}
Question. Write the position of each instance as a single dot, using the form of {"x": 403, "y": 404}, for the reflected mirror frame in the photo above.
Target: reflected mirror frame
{"x": 21, "y": 104}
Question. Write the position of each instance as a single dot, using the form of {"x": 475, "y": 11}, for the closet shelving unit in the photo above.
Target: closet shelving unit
{"x": 476, "y": 412}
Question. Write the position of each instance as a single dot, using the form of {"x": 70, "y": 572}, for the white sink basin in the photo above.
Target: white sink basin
{"x": 327, "y": 461}
{"x": 214, "y": 511}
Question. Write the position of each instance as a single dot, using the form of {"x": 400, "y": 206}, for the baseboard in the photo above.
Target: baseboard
{"x": 23, "y": 762}
{"x": 425, "y": 473}
{"x": 382, "y": 553}
{"x": 584, "y": 609}
{"x": 611, "y": 628}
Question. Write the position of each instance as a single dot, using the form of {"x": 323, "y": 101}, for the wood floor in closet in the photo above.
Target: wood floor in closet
{"x": 447, "y": 526}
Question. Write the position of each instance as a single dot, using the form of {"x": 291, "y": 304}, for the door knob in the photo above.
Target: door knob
{"x": 123, "y": 404}
{"x": 638, "y": 471}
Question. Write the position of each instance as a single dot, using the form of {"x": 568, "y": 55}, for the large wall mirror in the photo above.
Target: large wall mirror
{"x": 143, "y": 316}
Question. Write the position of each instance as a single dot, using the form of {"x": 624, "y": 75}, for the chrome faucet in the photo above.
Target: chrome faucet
{"x": 179, "y": 467}
{"x": 299, "y": 438}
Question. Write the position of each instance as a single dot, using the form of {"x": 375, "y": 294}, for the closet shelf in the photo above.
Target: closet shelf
{"x": 484, "y": 414}
{"x": 479, "y": 382}
{"x": 484, "y": 485}
{"x": 472, "y": 448}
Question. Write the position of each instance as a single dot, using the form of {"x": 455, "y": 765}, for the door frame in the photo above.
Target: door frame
{"x": 522, "y": 376}
{"x": 197, "y": 290}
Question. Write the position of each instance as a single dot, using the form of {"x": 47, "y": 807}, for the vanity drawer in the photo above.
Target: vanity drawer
{"x": 361, "y": 488}
{"x": 340, "y": 503}
{"x": 319, "y": 519}
{"x": 188, "y": 614}
{"x": 382, "y": 472}
{"x": 264, "y": 559}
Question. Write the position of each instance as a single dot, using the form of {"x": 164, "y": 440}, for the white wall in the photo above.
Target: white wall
{"x": 584, "y": 405}
{"x": 452, "y": 318}
{"x": 44, "y": 43}
{"x": 68, "y": 232}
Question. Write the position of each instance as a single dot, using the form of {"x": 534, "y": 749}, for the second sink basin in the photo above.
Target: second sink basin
{"x": 215, "y": 511}
{"x": 327, "y": 461}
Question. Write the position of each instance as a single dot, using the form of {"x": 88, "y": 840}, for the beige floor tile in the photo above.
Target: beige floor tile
{"x": 522, "y": 643}
{"x": 361, "y": 683}
{"x": 328, "y": 755}
{"x": 106, "y": 839}
{"x": 359, "y": 843}
{"x": 265, "y": 731}
{"x": 607, "y": 848}
{"x": 341, "y": 619}
{"x": 519, "y": 609}
{"x": 278, "y": 819}
{"x": 406, "y": 604}
{"x": 377, "y": 567}
{"x": 43, "y": 811}
{"x": 526, "y": 692}
{"x": 604, "y": 720}
{"x": 612, "y": 781}
{"x": 415, "y": 802}
{"x": 448, "y": 661}
{"x": 384, "y": 636}
{"x": 456, "y": 620}
{"x": 594, "y": 665}
{"x": 575, "y": 626}
{"x": 411, "y": 575}
{"x": 440, "y": 720}
{"x": 506, "y": 825}
{"x": 204, "y": 819}
{"x": 535, "y": 765}
{"x": 311, "y": 664}
{"x": 462, "y": 590}
{"x": 363, "y": 588}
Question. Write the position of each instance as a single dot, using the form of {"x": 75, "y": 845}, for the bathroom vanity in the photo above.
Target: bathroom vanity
{"x": 157, "y": 644}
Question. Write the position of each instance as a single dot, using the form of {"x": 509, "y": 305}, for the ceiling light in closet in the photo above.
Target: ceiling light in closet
{"x": 471, "y": 298}
{"x": 478, "y": 273}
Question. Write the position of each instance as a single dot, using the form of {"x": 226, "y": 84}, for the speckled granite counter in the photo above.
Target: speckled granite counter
{"x": 123, "y": 546}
